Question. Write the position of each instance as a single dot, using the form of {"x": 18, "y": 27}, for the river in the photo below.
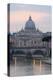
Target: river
{"x": 28, "y": 67}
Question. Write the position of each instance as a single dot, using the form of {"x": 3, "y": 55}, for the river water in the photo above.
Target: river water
{"x": 28, "y": 67}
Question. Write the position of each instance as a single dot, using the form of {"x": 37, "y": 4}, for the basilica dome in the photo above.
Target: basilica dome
{"x": 30, "y": 25}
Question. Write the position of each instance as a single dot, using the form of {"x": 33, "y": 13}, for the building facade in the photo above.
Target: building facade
{"x": 30, "y": 37}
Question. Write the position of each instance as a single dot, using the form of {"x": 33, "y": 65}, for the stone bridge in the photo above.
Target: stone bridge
{"x": 34, "y": 52}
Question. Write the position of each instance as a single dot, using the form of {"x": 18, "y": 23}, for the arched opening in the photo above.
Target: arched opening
{"x": 38, "y": 53}
{"x": 20, "y": 55}
{"x": 19, "y": 52}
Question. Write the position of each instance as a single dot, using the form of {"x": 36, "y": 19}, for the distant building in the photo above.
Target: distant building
{"x": 29, "y": 37}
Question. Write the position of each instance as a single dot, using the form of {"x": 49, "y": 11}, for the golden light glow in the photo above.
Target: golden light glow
{"x": 21, "y": 16}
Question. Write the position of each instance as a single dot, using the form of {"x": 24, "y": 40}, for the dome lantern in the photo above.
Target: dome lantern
{"x": 30, "y": 18}
{"x": 30, "y": 25}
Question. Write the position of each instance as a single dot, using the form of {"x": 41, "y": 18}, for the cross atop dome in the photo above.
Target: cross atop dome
{"x": 30, "y": 18}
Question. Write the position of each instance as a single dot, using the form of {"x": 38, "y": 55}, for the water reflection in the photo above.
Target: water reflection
{"x": 24, "y": 66}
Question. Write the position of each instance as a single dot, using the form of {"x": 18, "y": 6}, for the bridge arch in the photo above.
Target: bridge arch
{"x": 38, "y": 52}
{"x": 18, "y": 52}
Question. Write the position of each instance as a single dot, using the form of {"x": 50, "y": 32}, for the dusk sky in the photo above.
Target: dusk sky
{"x": 41, "y": 15}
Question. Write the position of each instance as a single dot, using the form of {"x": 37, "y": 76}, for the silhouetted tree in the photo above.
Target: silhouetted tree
{"x": 47, "y": 39}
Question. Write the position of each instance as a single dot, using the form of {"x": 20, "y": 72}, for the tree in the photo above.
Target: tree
{"x": 47, "y": 39}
